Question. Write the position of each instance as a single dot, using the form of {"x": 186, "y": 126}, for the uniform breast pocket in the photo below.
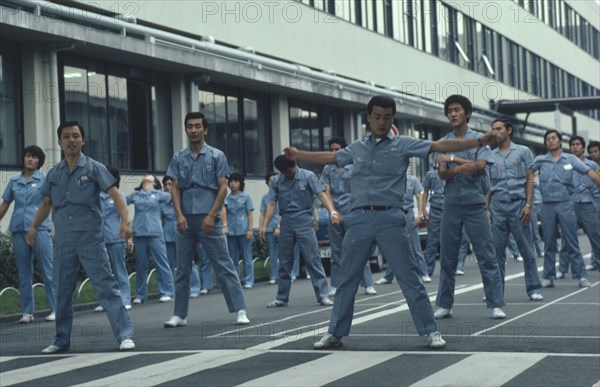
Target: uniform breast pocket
{"x": 303, "y": 195}
{"x": 86, "y": 188}
{"x": 208, "y": 170}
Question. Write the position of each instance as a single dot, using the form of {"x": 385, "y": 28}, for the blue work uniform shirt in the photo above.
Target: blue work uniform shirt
{"x": 436, "y": 187}
{"x": 338, "y": 180}
{"x": 264, "y": 202}
{"x": 508, "y": 173}
{"x": 148, "y": 211}
{"x": 169, "y": 221}
{"x": 556, "y": 177}
{"x": 379, "y": 168}
{"x": 27, "y": 197}
{"x": 462, "y": 189}
{"x": 76, "y": 196}
{"x": 112, "y": 220}
{"x": 198, "y": 178}
{"x": 237, "y": 207}
{"x": 584, "y": 187}
{"x": 413, "y": 187}
{"x": 295, "y": 198}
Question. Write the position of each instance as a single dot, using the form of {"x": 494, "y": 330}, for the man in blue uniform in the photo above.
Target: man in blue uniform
{"x": 294, "y": 189}
{"x": 556, "y": 185}
{"x": 464, "y": 205}
{"x": 337, "y": 186}
{"x": 510, "y": 201}
{"x": 378, "y": 185}
{"x": 433, "y": 188}
{"x": 200, "y": 174}
{"x": 72, "y": 191}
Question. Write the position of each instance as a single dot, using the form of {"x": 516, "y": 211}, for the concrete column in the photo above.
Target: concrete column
{"x": 280, "y": 123}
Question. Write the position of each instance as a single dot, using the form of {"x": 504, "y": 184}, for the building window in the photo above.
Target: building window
{"x": 311, "y": 126}
{"x": 11, "y": 133}
{"x": 239, "y": 125}
{"x": 125, "y": 111}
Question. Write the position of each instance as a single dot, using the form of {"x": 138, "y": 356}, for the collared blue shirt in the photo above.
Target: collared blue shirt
{"x": 537, "y": 195}
{"x": 148, "y": 211}
{"x": 264, "y": 202}
{"x": 76, "y": 195}
{"x": 413, "y": 187}
{"x": 436, "y": 187}
{"x": 112, "y": 220}
{"x": 237, "y": 207}
{"x": 463, "y": 189}
{"x": 295, "y": 198}
{"x": 379, "y": 168}
{"x": 169, "y": 221}
{"x": 584, "y": 187}
{"x": 508, "y": 173}
{"x": 556, "y": 177}
{"x": 198, "y": 177}
{"x": 27, "y": 197}
{"x": 338, "y": 180}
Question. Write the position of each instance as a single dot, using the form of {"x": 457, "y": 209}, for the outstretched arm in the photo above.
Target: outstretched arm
{"x": 315, "y": 157}
{"x": 447, "y": 146}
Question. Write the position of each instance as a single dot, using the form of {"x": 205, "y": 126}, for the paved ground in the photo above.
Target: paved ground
{"x": 555, "y": 342}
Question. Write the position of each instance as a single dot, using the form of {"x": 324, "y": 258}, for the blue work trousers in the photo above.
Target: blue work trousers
{"x": 42, "y": 249}
{"x": 116, "y": 255}
{"x": 433, "y": 238}
{"x": 388, "y": 229}
{"x": 474, "y": 218}
{"x": 300, "y": 232}
{"x": 87, "y": 248}
{"x": 588, "y": 219}
{"x": 240, "y": 244}
{"x": 505, "y": 222}
{"x": 563, "y": 214}
{"x": 336, "y": 236}
{"x": 273, "y": 245}
{"x": 155, "y": 247}
{"x": 216, "y": 249}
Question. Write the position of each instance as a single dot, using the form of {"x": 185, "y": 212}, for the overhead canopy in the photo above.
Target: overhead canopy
{"x": 546, "y": 105}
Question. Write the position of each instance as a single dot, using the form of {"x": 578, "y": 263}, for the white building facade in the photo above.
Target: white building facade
{"x": 272, "y": 73}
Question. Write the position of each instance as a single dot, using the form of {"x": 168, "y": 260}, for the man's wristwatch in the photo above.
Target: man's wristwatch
{"x": 333, "y": 213}
{"x": 528, "y": 205}
{"x": 452, "y": 157}
{"x": 422, "y": 218}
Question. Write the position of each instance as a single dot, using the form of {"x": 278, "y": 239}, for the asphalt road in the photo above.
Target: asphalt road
{"x": 555, "y": 342}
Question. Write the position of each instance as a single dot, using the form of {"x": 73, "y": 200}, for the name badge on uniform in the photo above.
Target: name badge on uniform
{"x": 393, "y": 149}
{"x": 568, "y": 167}
{"x": 152, "y": 196}
{"x": 84, "y": 179}
{"x": 34, "y": 185}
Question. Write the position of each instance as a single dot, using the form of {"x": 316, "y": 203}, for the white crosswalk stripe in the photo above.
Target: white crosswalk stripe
{"x": 498, "y": 367}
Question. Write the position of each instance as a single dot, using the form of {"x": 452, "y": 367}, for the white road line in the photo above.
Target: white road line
{"x": 315, "y": 373}
{"x": 56, "y": 367}
{"x": 163, "y": 372}
{"x": 504, "y": 322}
{"x": 7, "y": 358}
{"x": 483, "y": 369}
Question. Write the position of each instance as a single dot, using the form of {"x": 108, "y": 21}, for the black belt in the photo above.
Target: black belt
{"x": 377, "y": 208}
{"x": 511, "y": 200}
{"x": 436, "y": 208}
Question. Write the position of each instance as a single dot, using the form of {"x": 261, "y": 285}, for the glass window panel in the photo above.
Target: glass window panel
{"x": 76, "y": 95}
{"x": 10, "y": 125}
{"x": 162, "y": 132}
{"x": 118, "y": 115}
{"x": 255, "y": 138}
{"x": 234, "y": 154}
{"x": 97, "y": 139}
{"x": 220, "y": 123}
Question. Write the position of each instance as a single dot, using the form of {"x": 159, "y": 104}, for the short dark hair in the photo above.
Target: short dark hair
{"x": 268, "y": 176}
{"x": 67, "y": 124}
{"x": 115, "y": 172}
{"x": 338, "y": 140}
{"x": 35, "y": 151}
{"x": 507, "y": 124}
{"x": 195, "y": 116}
{"x": 238, "y": 177}
{"x": 282, "y": 163}
{"x": 462, "y": 101}
{"x": 548, "y": 132}
{"x": 166, "y": 179}
{"x": 575, "y": 138}
{"x": 593, "y": 144}
{"x": 381, "y": 101}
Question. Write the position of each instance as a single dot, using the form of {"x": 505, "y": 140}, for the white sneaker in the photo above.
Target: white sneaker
{"x": 127, "y": 345}
{"x": 194, "y": 295}
{"x": 328, "y": 341}
{"x": 426, "y": 279}
{"x": 460, "y": 272}
{"x": 326, "y": 302}
{"x": 547, "y": 283}
{"x": 174, "y": 322}
{"x": 247, "y": 286}
{"x": 560, "y": 275}
{"x": 519, "y": 259}
{"x": 272, "y": 282}
{"x": 332, "y": 291}
{"x": 26, "y": 319}
{"x": 584, "y": 283}
{"x": 137, "y": 301}
{"x": 54, "y": 349}
{"x": 308, "y": 276}
{"x": 276, "y": 304}
{"x": 382, "y": 281}
{"x": 127, "y": 307}
{"x": 51, "y": 317}
{"x": 242, "y": 319}
{"x": 443, "y": 313}
{"x": 591, "y": 267}
{"x": 435, "y": 341}
{"x": 536, "y": 297}
{"x": 99, "y": 309}
{"x": 203, "y": 292}
{"x": 165, "y": 299}
{"x": 370, "y": 291}
{"x": 498, "y": 313}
